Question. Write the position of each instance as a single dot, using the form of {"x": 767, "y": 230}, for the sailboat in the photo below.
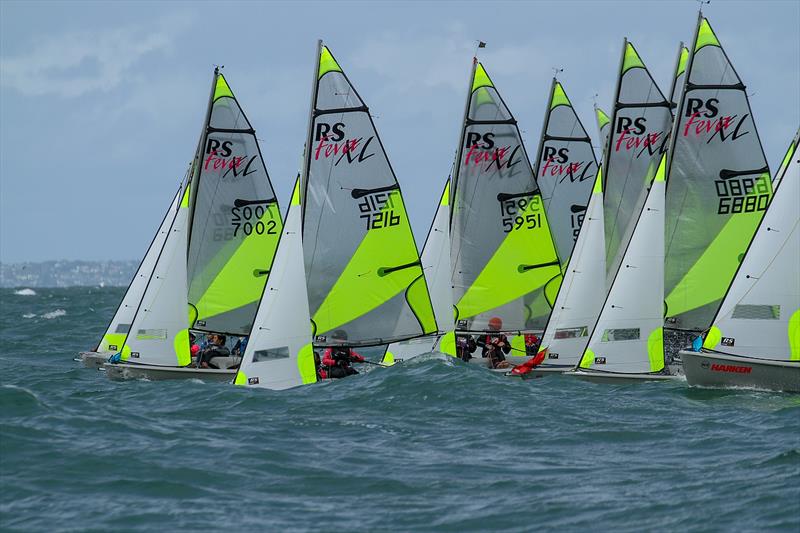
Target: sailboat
{"x": 216, "y": 256}
{"x": 504, "y": 264}
{"x": 114, "y": 336}
{"x": 364, "y": 284}
{"x": 755, "y": 339}
{"x": 582, "y": 290}
{"x": 626, "y": 339}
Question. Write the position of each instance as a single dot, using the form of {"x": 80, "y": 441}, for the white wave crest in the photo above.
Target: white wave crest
{"x": 54, "y": 314}
{"x": 25, "y": 292}
{"x": 29, "y": 315}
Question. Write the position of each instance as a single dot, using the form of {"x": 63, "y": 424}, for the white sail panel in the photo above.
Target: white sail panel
{"x": 760, "y": 315}
{"x": 120, "y": 324}
{"x": 582, "y": 291}
{"x": 159, "y": 334}
{"x": 628, "y": 336}
{"x": 279, "y": 353}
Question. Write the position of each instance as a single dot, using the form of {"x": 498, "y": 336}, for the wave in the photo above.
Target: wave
{"x": 25, "y": 292}
{"x": 54, "y": 314}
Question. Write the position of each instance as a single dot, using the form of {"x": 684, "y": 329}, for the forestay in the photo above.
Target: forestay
{"x": 279, "y": 354}
{"x": 362, "y": 266}
{"x": 120, "y": 324}
{"x": 504, "y": 261}
{"x": 719, "y": 186}
{"x": 159, "y": 333}
{"x": 565, "y": 170}
{"x": 235, "y": 219}
{"x": 760, "y": 315}
{"x": 640, "y": 122}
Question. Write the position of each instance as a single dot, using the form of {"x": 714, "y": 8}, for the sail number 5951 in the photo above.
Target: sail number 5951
{"x": 521, "y": 213}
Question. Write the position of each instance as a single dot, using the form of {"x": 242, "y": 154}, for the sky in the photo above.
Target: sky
{"x": 101, "y": 104}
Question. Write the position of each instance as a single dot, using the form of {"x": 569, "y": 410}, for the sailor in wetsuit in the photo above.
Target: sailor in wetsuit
{"x": 336, "y": 360}
{"x": 495, "y": 345}
{"x": 465, "y": 347}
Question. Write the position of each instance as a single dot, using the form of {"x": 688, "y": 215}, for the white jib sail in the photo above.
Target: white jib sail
{"x": 628, "y": 336}
{"x": 279, "y": 353}
{"x": 760, "y": 315}
{"x": 436, "y": 265}
{"x": 120, "y": 324}
{"x": 582, "y": 291}
{"x": 159, "y": 333}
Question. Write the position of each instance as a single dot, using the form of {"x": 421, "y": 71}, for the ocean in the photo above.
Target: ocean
{"x": 429, "y": 445}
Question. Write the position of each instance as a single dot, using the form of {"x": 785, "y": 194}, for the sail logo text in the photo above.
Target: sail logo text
{"x": 481, "y": 149}
{"x": 703, "y": 118}
{"x": 331, "y": 142}
{"x": 377, "y": 210}
{"x": 557, "y": 163}
{"x": 735, "y": 369}
{"x": 220, "y": 157}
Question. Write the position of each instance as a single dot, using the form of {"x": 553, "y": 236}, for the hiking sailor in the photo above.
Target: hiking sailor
{"x": 336, "y": 359}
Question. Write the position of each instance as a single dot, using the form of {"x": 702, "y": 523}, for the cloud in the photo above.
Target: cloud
{"x": 76, "y": 63}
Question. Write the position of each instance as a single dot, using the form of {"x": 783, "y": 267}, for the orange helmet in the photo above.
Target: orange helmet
{"x": 495, "y": 323}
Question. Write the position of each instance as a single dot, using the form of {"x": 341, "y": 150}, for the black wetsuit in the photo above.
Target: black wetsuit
{"x": 491, "y": 351}
{"x": 465, "y": 347}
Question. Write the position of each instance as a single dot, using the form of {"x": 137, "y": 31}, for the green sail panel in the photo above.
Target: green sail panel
{"x": 565, "y": 170}
{"x": 236, "y": 221}
{"x": 363, "y": 270}
{"x": 719, "y": 186}
{"x": 603, "y": 124}
{"x": 680, "y": 75}
{"x": 640, "y": 127}
{"x": 503, "y": 255}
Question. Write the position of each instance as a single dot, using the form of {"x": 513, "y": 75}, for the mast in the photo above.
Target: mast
{"x": 460, "y": 149}
{"x": 543, "y": 135}
{"x": 309, "y": 133}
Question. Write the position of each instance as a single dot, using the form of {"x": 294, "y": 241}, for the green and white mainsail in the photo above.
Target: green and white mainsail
{"x": 117, "y": 330}
{"x": 436, "y": 265}
{"x": 760, "y": 314}
{"x": 363, "y": 269}
{"x": 565, "y": 170}
{"x": 719, "y": 186}
{"x": 235, "y": 219}
{"x": 504, "y": 260}
{"x": 641, "y": 122}
{"x": 279, "y": 353}
{"x": 159, "y": 332}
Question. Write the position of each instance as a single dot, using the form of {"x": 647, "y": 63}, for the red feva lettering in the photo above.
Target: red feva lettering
{"x": 700, "y": 126}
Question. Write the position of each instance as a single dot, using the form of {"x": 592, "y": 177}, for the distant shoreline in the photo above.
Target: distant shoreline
{"x": 61, "y": 273}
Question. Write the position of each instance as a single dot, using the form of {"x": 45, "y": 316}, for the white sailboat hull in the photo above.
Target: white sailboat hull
{"x": 94, "y": 360}
{"x": 619, "y": 377}
{"x": 126, "y": 371}
{"x": 706, "y": 369}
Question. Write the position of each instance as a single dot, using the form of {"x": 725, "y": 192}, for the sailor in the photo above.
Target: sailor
{"x": 336, "y": 359}
{"x": 495, "y": 345}
{"x": 213, "y": 347}
{"x": 465, "y": 347}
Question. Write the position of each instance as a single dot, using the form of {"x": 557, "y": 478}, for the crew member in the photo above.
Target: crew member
{"x": 336, "y": 360}
{"x": 495, "y": 345}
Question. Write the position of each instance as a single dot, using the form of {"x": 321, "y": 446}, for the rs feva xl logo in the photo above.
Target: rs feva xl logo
{"x": 703, "y": 117}
{"x": 480, "y": 148}
{"x": 330, "y": 141}
{"x": 220, "y": 157}
{"x": 555, "y": 162}
{"x": 632, "y": 134}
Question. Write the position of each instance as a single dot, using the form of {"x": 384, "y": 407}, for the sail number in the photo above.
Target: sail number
{"x": 247, "y": 219}
{"x": 378, "y": 210}
{"x": 742, "y": 195}
{"x": 521, "y": 213}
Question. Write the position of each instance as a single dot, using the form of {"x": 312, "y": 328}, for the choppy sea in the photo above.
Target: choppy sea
{"x": 431, "y": 445}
